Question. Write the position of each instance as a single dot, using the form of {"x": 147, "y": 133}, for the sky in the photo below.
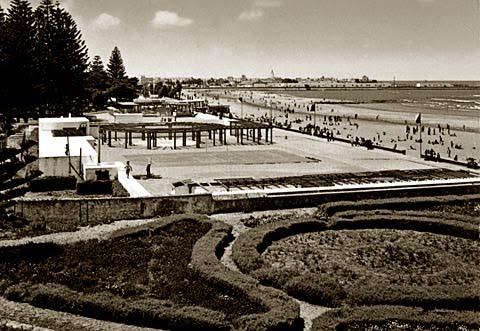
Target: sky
{"x": 408, "y": 39}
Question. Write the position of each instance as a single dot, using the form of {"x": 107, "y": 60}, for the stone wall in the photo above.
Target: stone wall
{"x": 90, "y": 211}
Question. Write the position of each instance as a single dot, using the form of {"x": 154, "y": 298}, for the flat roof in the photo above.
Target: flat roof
{"x": 62, "y": 119}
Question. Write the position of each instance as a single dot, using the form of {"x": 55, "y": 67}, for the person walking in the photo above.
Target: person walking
{"x": 128, "y": 169}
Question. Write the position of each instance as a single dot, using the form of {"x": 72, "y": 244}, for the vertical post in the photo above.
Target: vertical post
{"x": 109, "y": 138}
{"x": 224, "y": 136}
{"x": 99, "y": 149}
{"x": 241, "y": 136}
{"x": 130, "y": 138}
{"x": 214, "y": 138}
{"x": 184, "y": 138}
{"x": 198, "y": 141}
{"x": 175, "y": 140}
{"x": 143, "y": 132}
{"x": 126, "y": 139}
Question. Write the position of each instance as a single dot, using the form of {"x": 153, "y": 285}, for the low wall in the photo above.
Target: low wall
{"x": 90, "y": 211}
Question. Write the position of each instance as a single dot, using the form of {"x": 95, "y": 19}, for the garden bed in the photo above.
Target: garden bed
{"x": 377, "y": 256}
{"x": 140, "y": 276}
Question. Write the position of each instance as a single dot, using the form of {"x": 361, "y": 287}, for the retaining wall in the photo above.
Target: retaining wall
{"x": 89, "y": 211}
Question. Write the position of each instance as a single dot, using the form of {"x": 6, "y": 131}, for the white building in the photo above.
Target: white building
{"x": 59, "y": 138}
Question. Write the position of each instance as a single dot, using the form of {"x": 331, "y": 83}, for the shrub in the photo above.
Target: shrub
{"x": 342, "y": 319}
{"x": 53, "y": 183}
{"x": 118, "y": 190}
{"x": 89, "y": 187}
{"x": 249, "y": 246}
{"x": 280, "y": 311}
{"x": 106, "y": 306}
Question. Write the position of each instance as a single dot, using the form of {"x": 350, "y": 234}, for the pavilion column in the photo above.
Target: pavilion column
{"x": 259, "y": 135}
{"x": 266, "y": 135}
{"x": 115, "y": 135}
{"x": 184, "y": 138}
{"x": 126, "y": 139}
{"x": 143, "y": 132}
{"x": 253, "y": 135}
{"x": 241, "y": 136}
{"x": 210, "y": 134}
{"x": 237, "y": 134}
{"x": 231, "y": 131}
{"x": 220, "y": 136}
{"x": 155, "y": 142}
{"x": 271, "y": 135}
{"x": 130, "y": 142}
{"x": 224, "y": 136}
{"x": 149, "y": 141}
{"x": 193, "y": 135}
{"x": 175, "y": 140}
{"x": 198, "y": 140}
{"x": 109, "y": 138}
{"x": 170, "y": 131}
{"x": 214, "y": 138}
{"x": 248, "y": 133}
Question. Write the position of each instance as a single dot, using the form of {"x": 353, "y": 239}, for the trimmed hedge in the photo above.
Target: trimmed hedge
{"x": 341, "y": 319}
{"x": 53, "y": 183}
{"x": 249, "y": 246}
{"x": 331, "y": 208}
{"x": 92, "y": 187}
{"x": 145, "y": 312}
{"x": 282, "y": 313}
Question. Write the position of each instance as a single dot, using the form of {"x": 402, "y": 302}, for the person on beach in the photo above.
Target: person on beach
{"x": 128, "y": 169}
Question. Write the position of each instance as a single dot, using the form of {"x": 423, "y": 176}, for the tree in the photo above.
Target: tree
{"x": 18, "y": 51}
{"x": 115, "y": 68}
{"x": 62, "y": 57}
{"x": 98, "y": 82}
{"x": 97, "y": 76}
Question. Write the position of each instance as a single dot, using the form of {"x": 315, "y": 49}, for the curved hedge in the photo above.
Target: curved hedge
{"x": 149, "y": 312}
{"x": 282, "y": 313}
{"x": 249, "y": 246}
{"x": 341, "y": 319}
{"x": 331, "y": 208}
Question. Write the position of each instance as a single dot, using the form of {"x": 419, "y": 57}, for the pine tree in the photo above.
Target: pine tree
{"x": 18, "y": 48}
{"x": 115, "y": 68}
{"x": 3, "y": 79}
{"x": 98, "y": 82}
{"x": 97, "y": 76}
{"x": 62, "y": 55}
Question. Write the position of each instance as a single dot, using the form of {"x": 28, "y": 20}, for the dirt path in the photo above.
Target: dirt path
{"x": 99, "y": 232}
{"x": 307, "y": 311}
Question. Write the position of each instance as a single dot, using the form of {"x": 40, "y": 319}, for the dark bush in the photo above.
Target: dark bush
{"x": 89, "y": 187}
{"x": 118, "y": 190}
{"x": 53, "y": 183}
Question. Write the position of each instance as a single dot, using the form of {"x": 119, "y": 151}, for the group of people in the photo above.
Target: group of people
{"x": 129, "y": 169}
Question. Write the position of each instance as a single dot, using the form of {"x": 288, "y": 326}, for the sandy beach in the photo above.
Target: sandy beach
{"x": 452, "y": 134}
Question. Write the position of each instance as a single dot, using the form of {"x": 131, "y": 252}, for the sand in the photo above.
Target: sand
{"x": 385, "y": 124}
